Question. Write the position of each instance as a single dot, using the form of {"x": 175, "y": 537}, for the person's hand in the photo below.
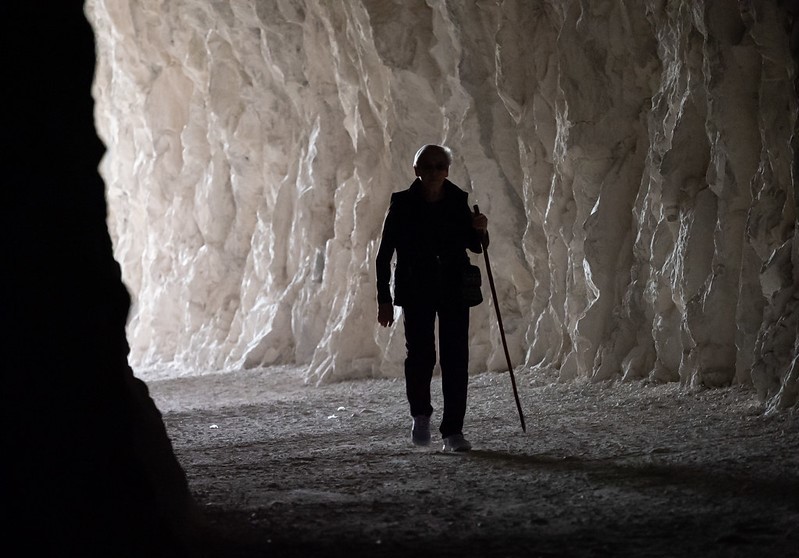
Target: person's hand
{"x": 480, "y": 223}
{"x": 385, "y": 314}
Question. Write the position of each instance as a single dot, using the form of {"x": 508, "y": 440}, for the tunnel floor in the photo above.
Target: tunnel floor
{"x": 626, "y": 469}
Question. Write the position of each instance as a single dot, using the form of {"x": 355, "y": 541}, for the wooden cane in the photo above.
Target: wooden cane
{"x": 501, "y": 329}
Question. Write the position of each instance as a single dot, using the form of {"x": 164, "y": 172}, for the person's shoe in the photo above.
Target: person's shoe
{"x": 456, "y": 442}
{"x": 420, "y": 433}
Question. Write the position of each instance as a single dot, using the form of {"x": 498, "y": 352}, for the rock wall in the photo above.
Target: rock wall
{"x": 636, "y": 160}
{"x": 87, "y": 467}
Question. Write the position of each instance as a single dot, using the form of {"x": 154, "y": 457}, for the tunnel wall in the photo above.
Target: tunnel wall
{"x": 636, "y": 160}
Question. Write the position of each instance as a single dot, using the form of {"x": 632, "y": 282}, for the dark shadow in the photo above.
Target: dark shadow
{"x": 87, "y": 468}
{"x": 644, "y": 475}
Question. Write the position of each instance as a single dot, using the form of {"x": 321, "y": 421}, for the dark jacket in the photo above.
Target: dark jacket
{"x": 430, "y": 240}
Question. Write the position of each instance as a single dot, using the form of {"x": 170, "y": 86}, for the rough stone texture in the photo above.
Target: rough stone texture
{"x": 283, "y": 469}
{"x": 636, "y": 160}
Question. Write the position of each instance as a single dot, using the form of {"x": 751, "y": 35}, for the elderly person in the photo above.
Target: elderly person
{"x": 430, "y": 227}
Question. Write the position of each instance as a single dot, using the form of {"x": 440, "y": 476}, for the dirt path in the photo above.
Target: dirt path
{"x": 604, "y": 470}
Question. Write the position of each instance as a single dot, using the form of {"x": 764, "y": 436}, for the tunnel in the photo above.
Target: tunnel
{"x": 197, "y": 193}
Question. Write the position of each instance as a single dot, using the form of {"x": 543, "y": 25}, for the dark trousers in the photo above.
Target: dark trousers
{"x": 453, "y": 341}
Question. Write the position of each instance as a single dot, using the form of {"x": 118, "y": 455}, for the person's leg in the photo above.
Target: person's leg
{"x": 453, "y": 334}
{"x": 420, "y": 342}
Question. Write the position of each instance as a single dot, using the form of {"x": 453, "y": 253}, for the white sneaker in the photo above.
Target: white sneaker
{"x": 456, "y": 442}
{"x": 420, "y": 433}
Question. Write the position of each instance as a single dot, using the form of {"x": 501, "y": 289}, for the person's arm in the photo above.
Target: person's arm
{"x": 385, "y": 303}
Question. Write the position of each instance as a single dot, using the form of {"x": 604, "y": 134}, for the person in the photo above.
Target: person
{"x": 430, "y": 227}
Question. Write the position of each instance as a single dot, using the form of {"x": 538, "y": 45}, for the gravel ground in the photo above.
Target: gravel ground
{"x": 614, "y": 469}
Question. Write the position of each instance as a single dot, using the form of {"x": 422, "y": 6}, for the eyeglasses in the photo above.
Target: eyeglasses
{"x": 439, "y": 167}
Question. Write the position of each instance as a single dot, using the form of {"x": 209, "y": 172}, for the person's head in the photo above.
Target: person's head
{"x": 431, "y": 164}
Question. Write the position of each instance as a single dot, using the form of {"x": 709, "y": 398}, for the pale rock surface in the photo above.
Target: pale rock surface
{"x": 636, "y": 160}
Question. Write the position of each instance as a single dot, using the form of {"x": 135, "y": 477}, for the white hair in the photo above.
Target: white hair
{"x": 433, "y": 147}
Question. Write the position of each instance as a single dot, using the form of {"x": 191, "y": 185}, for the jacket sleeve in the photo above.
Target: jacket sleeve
{"x": 388, "y": 244}
{"x": 475, "y": 242}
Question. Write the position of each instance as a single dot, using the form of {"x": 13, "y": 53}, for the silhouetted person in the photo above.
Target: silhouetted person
{"x": 430, "y": 227}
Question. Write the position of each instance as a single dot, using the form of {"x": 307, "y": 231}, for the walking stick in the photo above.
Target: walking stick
{"x": 502, "y": 330}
